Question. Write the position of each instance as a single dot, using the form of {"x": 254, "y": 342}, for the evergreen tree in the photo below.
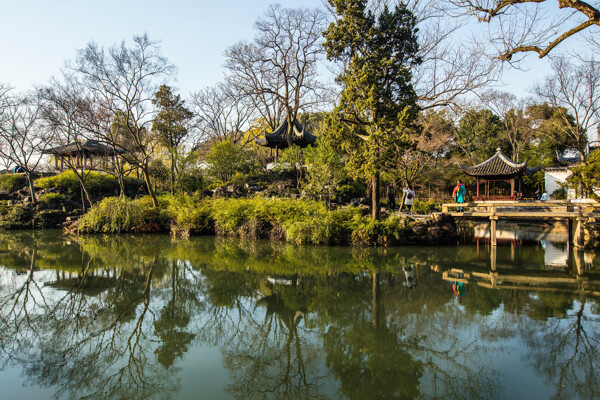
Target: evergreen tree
{"x": 170, "y": 125}
{"x": 377, "y": 103}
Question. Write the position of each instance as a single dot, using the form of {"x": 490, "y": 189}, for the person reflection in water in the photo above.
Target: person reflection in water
{"x": 409, "y": 273}
{"x": 459, "y": 290}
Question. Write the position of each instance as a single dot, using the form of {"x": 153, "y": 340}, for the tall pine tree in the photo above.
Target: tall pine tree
{"x": 171, "y": 125}
{"x": 378, "y": 103}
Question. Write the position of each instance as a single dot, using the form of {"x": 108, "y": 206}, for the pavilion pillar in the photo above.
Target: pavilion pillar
{"x": 579, "y": 234}
{"x": 477, "y": 187}
{"x": 493, "y": 220}
{"x": 512, "y": 188}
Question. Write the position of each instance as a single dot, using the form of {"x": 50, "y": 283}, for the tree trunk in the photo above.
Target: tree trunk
{"x": 377, "y": 306}
{"x": 375, "y": 196}
{"x": 172, "y": 173}
{"x": 146, "y": 174}
{"x": 290, "y": 129}
{"x": 368, "y": 195}
{"x": 82, "y": 197}
{"x": 31, "y": 188}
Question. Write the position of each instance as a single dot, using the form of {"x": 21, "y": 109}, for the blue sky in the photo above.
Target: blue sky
{"x": 38, "y": 36}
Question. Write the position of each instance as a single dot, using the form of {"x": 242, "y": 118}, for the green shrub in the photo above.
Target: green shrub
{"x": 560, "y": 194}
{"x": 366, "y": 231}
{"x": 226, "y": 159}
{"x": 15, "y": 216}
{"x": 192, "y": 213}
{"x": 296, "y": 221}
{"x": 424, "y": 207}
{"x": 119, "y": 214}
{"x": 97, "y": 183}
{"x": 352, "y": 190}
{"x": 11, "y": 182}
{"x": 52, "y": 199}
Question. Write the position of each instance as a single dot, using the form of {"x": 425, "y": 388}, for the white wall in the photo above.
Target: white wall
{"x": 554, "y": 178}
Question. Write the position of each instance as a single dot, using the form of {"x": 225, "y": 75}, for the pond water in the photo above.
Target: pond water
{"x": 144, "y": 317}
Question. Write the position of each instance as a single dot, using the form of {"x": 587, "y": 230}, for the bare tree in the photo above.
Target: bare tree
{"x": 64, "y": 111}
{"x": 221, "y": 112}
{"x": 452, "y": 68}
{"x": 22, "y": 138}
{"x": 576, "y": 88}
{"x": 518, "y": 27}
{"x": 123, "y": 81}
{"x": 278, "y": 70}
{"x": 518, "y": 128}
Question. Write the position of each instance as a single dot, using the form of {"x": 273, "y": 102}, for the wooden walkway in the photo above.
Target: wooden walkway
{"x": 577, "y": 213}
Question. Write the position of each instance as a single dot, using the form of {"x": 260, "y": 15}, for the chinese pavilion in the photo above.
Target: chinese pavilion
{"x": 498, "y": 168}
{"x": 90, "y": 155}
{"x": 278, "y": 139}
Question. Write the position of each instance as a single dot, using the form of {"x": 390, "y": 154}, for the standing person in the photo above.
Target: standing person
{"x": 410, "y": 197}
{"x": 459, "y": 194}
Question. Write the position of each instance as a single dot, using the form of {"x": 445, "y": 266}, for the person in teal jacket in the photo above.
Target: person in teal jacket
{"x": 459, "y": 194}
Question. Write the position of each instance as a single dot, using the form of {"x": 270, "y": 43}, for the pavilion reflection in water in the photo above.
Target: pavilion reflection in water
{"x": 565, "y": 270}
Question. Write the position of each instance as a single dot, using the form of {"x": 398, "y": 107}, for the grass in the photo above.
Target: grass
{"x": 97, "y": 183}
{"x": 295, "y": 221}
{"x": 11, "y": 182}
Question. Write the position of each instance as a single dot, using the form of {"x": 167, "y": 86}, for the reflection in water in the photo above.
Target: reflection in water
{"x": 134, "y": 317}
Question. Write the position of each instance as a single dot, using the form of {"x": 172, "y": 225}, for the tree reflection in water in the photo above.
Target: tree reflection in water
{"x": 116, "y": 317}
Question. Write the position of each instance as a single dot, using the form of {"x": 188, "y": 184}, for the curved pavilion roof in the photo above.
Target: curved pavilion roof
{"x": 92, "y": 147}
{"x": 568, "y": 161}
{"x": 498, "y": 166}
{"x": 278, "y": 138}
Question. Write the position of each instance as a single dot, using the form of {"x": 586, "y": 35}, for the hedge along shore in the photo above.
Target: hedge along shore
{"x": 292, "y": 220}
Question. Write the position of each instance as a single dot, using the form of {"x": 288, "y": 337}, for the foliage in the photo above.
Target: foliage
{"x": 192, "y": 213}
{"x": 11, "y": 182}
{"x": 226, "y": 159}
{"x": 119, "y": 214}
{"x": 351, "y": 190}
{"x": 559, "y": 194}
{"x": 97, "y": 183}
{"x": 377, "y": 103}
{"x": 170, "y": 125}
{"x": 293, "y": 156}
{"x": 52, "y": 199}
{"x": 325, "y": 171}
{"x": 370, "y": 232}
{"x": 479, "y": 135}
{"x": 296, "y": 221}
{"x": 587, "y": 176}
{"x": 13, "y": 216}
{"x": 424, "y": 207}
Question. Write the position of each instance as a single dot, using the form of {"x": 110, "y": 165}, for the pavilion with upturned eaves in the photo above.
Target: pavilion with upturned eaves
{"x": 90, "y": 155}
{"x": 498, "y": 168}
{"x": 278, "y": 139}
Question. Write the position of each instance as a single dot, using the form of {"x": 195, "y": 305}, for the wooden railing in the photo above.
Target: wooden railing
{"x": 578, "y": 213}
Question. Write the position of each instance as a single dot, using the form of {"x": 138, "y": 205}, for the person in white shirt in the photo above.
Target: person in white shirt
{"x": 410, "y": 197}
{"x": 544, "y": 196}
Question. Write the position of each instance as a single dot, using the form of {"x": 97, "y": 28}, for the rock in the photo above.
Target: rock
{"x": 419, "y": 229}
{"x": 358, "y": 200}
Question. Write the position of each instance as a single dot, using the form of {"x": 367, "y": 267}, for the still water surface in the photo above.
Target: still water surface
{"x": 142, "y": 317}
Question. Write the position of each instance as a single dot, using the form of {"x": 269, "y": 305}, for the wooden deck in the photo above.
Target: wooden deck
{"x": 577, "y": 213}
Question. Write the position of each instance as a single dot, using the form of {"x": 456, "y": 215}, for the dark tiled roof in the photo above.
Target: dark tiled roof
{"x": 89, "y": 147}
{"x": 278, "y": 138}
{"x": 497, "y": 167}
{"x": 567, "y": 161}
